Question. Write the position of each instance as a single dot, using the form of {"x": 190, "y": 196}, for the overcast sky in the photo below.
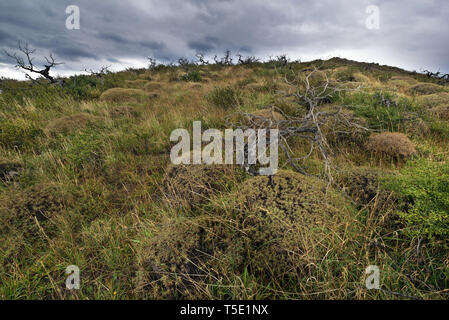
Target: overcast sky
{"x": 412, "y": 34}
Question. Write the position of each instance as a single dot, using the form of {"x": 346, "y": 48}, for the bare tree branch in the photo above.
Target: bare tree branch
{"x": 24, "y": 61}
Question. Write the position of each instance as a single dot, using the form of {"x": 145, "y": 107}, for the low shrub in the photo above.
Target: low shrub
{"x": 423, "y": 188}
{"x": 18, "y": 133}
{"x": 84, "y": 150}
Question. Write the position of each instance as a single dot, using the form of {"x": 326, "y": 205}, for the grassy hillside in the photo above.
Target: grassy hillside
{"x": 86, "y": 180}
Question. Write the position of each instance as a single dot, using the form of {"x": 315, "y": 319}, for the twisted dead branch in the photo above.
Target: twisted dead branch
{"x": 24, "y": 61}
{"x": 312, "y": 90}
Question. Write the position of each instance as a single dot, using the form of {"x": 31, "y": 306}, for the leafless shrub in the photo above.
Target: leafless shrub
{"x": 224, "y": 61}
{"x": 100, "y": 73}
{"x": 442, "y": 78}
{"x": 201, "y": 60}
{"x": 312, "y": 90}
{"x": 152, "y": 63}
{"x": 247, "y": 61}
{"x": 24, "y": 61}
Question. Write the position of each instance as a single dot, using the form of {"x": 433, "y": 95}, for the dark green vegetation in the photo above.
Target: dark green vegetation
{"x": 86, "y": 180}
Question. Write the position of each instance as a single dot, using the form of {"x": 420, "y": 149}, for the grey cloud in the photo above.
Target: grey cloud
{"x": 412, "y": 35}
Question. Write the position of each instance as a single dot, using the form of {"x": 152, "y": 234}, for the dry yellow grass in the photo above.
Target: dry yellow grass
{"x": 393, "y": 144}
{"x": 441, "y": 112}
{"x": 425, "y": 88}
{"x": 70, "y": 123}
{"x": 434, "y": 100}
{"x": 119, "y": 95}
{"x": 153, "y": 86}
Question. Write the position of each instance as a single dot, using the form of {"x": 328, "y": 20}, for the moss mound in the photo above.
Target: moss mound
{"x": 192, "y": 185}
{"x": 425, "y": 88}
{"x": 69, "y": 124}
{"x": 433, "y": 100}
{"x": 27, "y": 211}
{"x": 286, "y": 224}
{"x": 175, "y": 261}
{"x": 441, "y": 112}
{"x": 408, "y": 80}
{"x": 123, "y": 95}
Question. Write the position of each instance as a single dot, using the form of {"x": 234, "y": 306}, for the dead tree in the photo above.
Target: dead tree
{"x": 99, "y": 74}
{"x": 310, "y": 90}
{"x": 247, "y": 61}
{"x": 152, "y": 63}
{"x": 201, "y": 60}
{"x": 442, "y": 78}
{"x": 24, "y": 61}
{"x": 224, "y": 61}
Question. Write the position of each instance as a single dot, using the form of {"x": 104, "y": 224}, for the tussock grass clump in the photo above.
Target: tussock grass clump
{"x": 433, "y": 100}
{"x": 123, "y": 95}
{"x": 360, "y": 77}
{"x": 425, "y": 88}
{"x": 192, "y": 185}
{"x": 18, "y": 133}
{"x": 287, "y": 223}
{"x": 399, "y": 84}
{"x": 392, "y": 144}
{"x": 226, "y": 97}
{"x": 441, "y": 112}
{"x": 152, "y": 86}
{"x": 122, "y": 111}
{"x": 408, "y": 80}
{"x": 136, "y": 84}
{"x": 69, "y": 124}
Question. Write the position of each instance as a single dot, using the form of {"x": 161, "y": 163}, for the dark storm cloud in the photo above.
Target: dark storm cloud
{"x": 412, "y": 35}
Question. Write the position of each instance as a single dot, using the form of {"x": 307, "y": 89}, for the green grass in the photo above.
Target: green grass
{"x": 105, "y": 186}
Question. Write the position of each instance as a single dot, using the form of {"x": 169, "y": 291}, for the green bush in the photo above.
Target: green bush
{"x": 423, "y": 190}
{"x": 226, "y": 97}
{"x": 194, "y": 76}
{"x": 384, "y": 111}
{"x": 83, "y": 87}
{"x": 85, "y": 149}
